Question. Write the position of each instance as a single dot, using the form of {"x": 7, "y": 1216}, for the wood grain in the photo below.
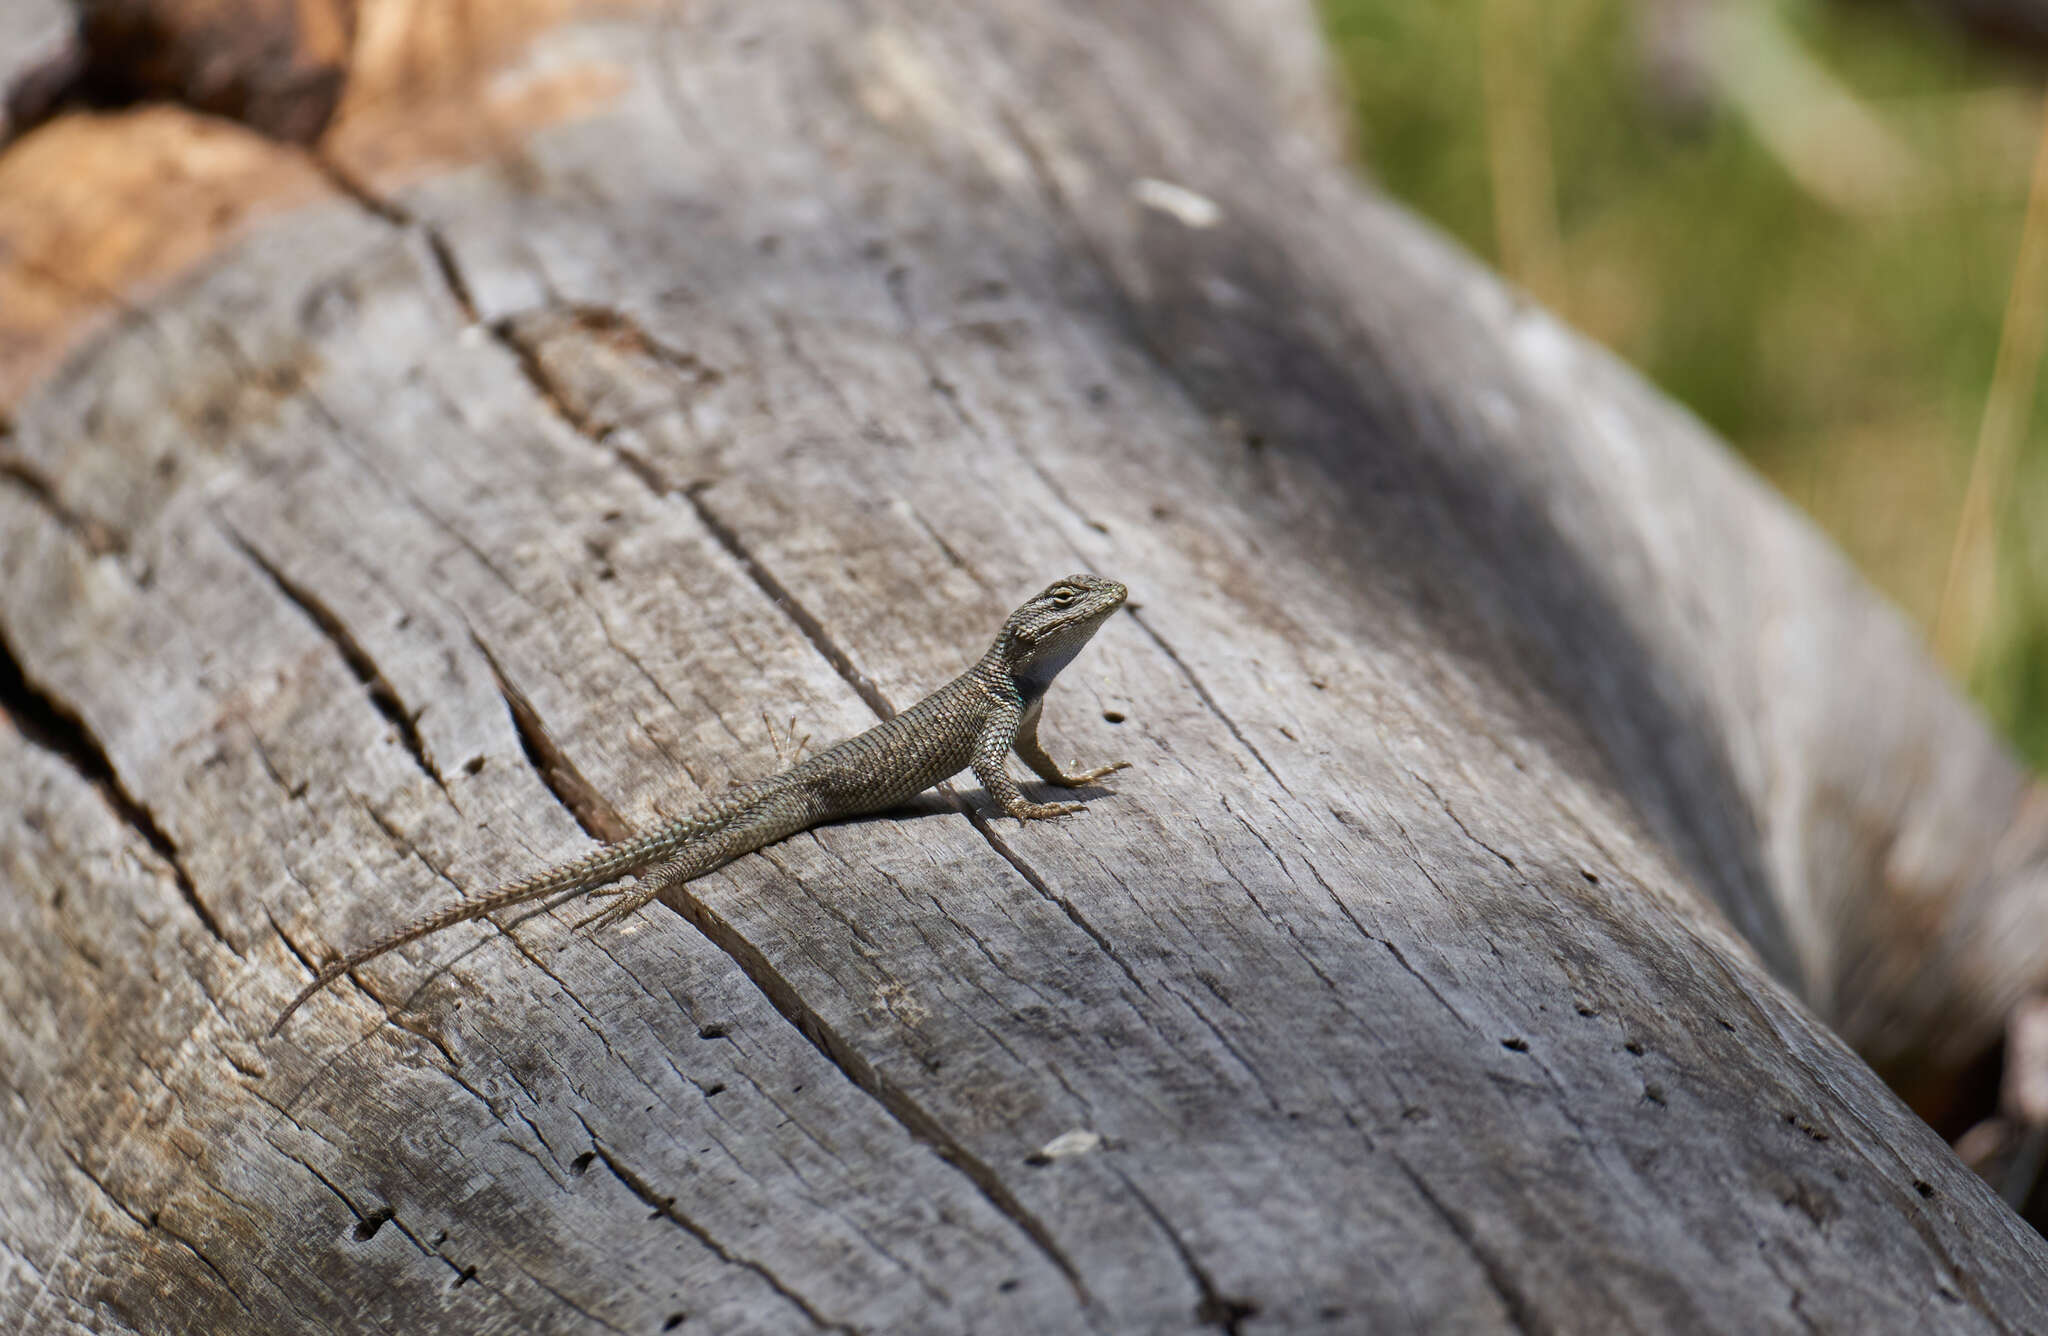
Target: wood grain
{"x": 1518, "y": 789}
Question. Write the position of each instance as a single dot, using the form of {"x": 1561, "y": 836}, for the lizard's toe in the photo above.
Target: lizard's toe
{"x": 1041, "y": 811}
{"x": 629, "y": 904}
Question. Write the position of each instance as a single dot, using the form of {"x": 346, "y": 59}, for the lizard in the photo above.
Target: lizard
{"x": 972, "y": 722}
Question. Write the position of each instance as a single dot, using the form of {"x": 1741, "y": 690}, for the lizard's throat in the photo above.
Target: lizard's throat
{"x": 1036, "y": 674}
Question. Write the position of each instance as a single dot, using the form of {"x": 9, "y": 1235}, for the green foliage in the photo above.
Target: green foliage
{"x": 1845, "y": 345}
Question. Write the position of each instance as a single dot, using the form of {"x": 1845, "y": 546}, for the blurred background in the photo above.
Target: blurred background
{"x": 1808, "y": 220}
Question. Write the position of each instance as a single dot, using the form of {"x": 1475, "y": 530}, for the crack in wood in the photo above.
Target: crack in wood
{"x": 1401, "y": 959}
{"x": 359, "y": 660}
{"x": 361, "y": 195}
{"x": 654, "y": 683}
{"x": 544, "y": 384}
{"x": 986, "y": 827}
{"x": 368, "y": 1225}
{"x": 1208, "y": 701}
{"x": 938, "y": 540}
{"x": 54, "y": 726}
{"x": 598, "y": 818}
{"x": 507, "y": 336}
{"x": 153, "y": 1224}
{"x": 778, "y": 594}
{"x": 1459, "y": 821}
{"x": 1216, "y": 1309}
{"x": 289, "y": 944}
{"x": 1520, "y": 1309}
{"x": 451, "y": 274}
{"x": 665, "y": 1208}
{"x": 724, "y": 534}
{"x": 917, "y": 1121}
{"x": 399, "y": 216}
{"x": 1280, "y": 921}
{"x": 642, "y": 468}
{"x": 97, "y": 536}
{"x": 400, "y": 839}
{"x": 896, "y": 280}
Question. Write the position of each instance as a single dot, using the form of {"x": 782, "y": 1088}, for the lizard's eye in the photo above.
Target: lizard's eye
{"x": 1063, "y": 597}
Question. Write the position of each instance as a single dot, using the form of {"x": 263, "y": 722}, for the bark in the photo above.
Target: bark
{"x": 1528, "y": 810}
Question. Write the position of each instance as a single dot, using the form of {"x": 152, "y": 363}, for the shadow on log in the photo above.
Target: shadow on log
{"x": 1529, "y": 811}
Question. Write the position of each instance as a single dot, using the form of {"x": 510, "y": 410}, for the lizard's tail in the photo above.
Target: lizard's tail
{"x": 596, "y": 868}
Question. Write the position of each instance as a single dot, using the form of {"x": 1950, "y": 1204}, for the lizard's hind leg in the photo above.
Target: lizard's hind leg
{"x": 631, "y": 899}
{"x": 691, "y": 862}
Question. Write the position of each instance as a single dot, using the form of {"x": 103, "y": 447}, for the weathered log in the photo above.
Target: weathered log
{"x": 1520, "y": 791}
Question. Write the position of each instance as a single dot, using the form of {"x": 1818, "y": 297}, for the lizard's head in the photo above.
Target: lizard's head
{"x": 1045, "y": 634}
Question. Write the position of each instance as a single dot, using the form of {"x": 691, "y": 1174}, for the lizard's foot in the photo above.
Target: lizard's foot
{"x": 1030, "y": 811}
{"x": 1090, "y": 776}
{"x": 630, "y": 902}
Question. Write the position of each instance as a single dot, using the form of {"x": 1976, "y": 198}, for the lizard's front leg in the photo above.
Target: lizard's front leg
{"x": 1034, "y": 754}
{"x": 991, "y": 754}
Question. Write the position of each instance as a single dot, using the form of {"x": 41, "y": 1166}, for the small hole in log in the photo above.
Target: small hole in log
{"x": 581, "y": 1164}
{"x": 1113, "y": 716}
{"x": 712, "y": 1031}
{"x": 367, "y": 1227}
{"x": 675, "y": 1320}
